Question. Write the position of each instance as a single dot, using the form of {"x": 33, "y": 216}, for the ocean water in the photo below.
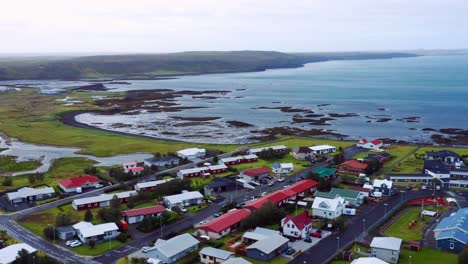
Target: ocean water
{"x": 432, "y": 88}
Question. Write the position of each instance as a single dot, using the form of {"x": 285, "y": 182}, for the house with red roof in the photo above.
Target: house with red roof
{"x": 255, "y": 174}
{"x": 282, "y": 196}
{"x": 353, "y": 167}
{"x": 224, "y": 224}
{"x": 370, "y": 144}
{"x": 72, "y": 184}
{"x": 132, "y": 167}
{"x": 297, "y": 226}
{"x": 136, "y": 215}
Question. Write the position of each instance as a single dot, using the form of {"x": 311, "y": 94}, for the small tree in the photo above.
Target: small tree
{"x": 463, "y": 256}
{"x": 92, "y": 243}
{"x": 7, "y": 181}
{"x": 49, "y": 232}
{"x": 88, "y": 217}
{"x": 31, "y": 178}
{"x": 215, "y": 159}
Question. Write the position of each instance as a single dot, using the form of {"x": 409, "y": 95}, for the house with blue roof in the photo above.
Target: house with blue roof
{"x": 445, "y": 156}
{"x": 451, "y": 234}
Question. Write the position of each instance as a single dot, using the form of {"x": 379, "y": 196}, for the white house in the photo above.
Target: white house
{"x": 144, "y": 186}
{"x": 386, "y": 248}
{"x": 183, "y": 199}
{"x": 282, "y": 168}
{"x": 297, "y": 226}
{"x": 383, "y": 186}
{"x": 8, "y": 254}
{"x": 26, "y": 194}
{"x": 368, "y": 260}
{"x": 169, "y": 251}
{"x": 279, "y": 148}
{"x": 210, "y": 255}
{"x": 374, "y": 144}
{"x": 87, "y": 231}
{"x": 132, "y": 167}
{"x": 192, "y": 154}
{"x": 236, "y": 261}
{"x": 328, "y": 208}
{"x": 322, "y": 149}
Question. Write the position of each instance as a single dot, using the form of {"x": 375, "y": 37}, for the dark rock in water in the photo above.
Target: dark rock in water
{"x": 320, "y": 105}
{"x": 412, "y": 119}
{"x": 313, "y": 115}
{"x": 116, "y": 82}
{"x": 381, "y": 109}
{"x": 169, "y": 133}
{"x": 285, "y": 109}
{"x": 383, "y": 120}
{"x": 234, "y": 123}
{"x": 428, "y": 129}
{"x": 187, "y": 124}
{"x": 120, "y": 125}
{"x": 412, "y": 128}
{"x": 294, "y": 131}
{"x": 209, "y": 118}
{"x": 343, "y": 115}
{"x": 206, "y": 97}
{"x": 98, "y": 87}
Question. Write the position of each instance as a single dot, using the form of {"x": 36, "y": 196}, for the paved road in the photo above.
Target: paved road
{"x": 374, "y": 215}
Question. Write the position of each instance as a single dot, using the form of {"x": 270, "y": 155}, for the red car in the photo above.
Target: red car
{"x": 316, "y": 234}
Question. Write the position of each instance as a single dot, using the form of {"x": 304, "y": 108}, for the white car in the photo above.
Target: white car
{"x": 264, "y": 193}
{"x": 97, "y": 186}
{"x": 145, "y": 249}
{"x": 75, "y": 243}
{"x": 281, "y": 179}
{"x": 69, "y": 242}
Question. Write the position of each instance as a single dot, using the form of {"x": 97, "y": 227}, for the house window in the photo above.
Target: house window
{"x": 452, "y": 245}
{"x": 288, "y": 225}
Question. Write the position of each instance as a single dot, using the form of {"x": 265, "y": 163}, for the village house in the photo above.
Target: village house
{"x": 410, "y": 178}
{"x": 380, "y": 157}
{"x": 27, "y": 194}
{"x": 328, "y": 208}
{"x": 386, "y": 248}
{"x": 277, "y": 149}
{"x": 9, "y": 254}
{"x": 446, "y": 156}
{"x": 264, "y": 244}
{"x": 297, "y": 226}
{"x": 193, "y": 172}
{"x": 383, "y": 186}
{"x": 224, "y": 224}
{"x": 65, "y": 232}
{"x": 132, "y": 167}
{"x": 210, "y": 255}
{"x": 282, "y": 168}
{"x": 192, "y": 154}
{"x": 351, "y": 197}
{"x": 101, "y": 200}
{"x": 87, "y": 231}
{"x": 322, "y": 149}
{"x": 373, "y": 144}
{"x": 219, "y": 185}
{"x": 217, "y": 169}
{"x": 136, "y": 215}
{"x": 182, "y": 200}
{"x": 353, "y": 167}
{"x": 78, "y": 183}
{"x": 255, "y": 174}
{"x": 232, "y": 161}
{"x": 302, "y": 153}
{"x": 169, "y": 251}
{"x": 149, "y": 185}
{"x": 236, "y": 261}
{"x": 165, "y": 161}
{"x": 451, "y": 234}
{"x": 326, "y": 173}
{"x": 368, "y": 260}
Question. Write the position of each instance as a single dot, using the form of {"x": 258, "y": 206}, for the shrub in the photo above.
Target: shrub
{"x": 122, "y": 237}
{"x": 92, "y": 243}
{"x": 7, "y": 181}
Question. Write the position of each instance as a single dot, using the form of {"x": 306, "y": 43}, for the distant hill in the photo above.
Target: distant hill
{"x": 147, "y": 66}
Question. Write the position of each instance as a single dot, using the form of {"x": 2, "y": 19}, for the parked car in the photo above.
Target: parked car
{"x": 290, "y": 251}
{"x": 97, "y": 186}
{"x": 69, "y": 242}
{"x": 264, "y": 193}
{"x": 271, "y": 183}
{"x": 424, "y": 187}
{"x": 281, "y": 179}
{"x": 408, "y": 188}
{"x": 145, "y": 249}
{"x": 308, "y": 239}
{"x": 76, "y": 243}
{"x": 438, "y": 188}
{"x": 316, "y": 234}
{"x": 217, "y": 215}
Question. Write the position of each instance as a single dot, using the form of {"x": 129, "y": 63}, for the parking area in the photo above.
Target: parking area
{"x": 301, "y": 245}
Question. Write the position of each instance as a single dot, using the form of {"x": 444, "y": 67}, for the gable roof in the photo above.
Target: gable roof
{"x": 175, "y": 245}
{"x": 96, "y": 230}
{"x": 225, "y": 221}
{"x": 78, "y": 181}
{"x": 9, "y": 254}
{"x": 161, "y": 159}
{"x": 325, "y": 172}
{"x": 305, "y": 150}
{"x": 368, "y": 260}
{"x": 436, "y": 166}
{"x": 378, "y": 183}
{"x": 256, "y": 171}
{"x": 302, "y": 186}
{"x": 354, "y": 164}
{"x": 321, "y": 147}
{"x": 217, "y": 253}
{"x": 348, "y": 194}
{"x": 301, "y": 220}
{"x": 104, "y": 197}
{"x": 190, "y": 151}
{"x": 144, "y": 211}
{"x": 179, "y": 198}
{"x": 391, "y": 243}
{"x": 28, "y": 191}
{"x": 442, "y": 154}
{"x": 327, "y": 204}
{"x": 136, "y": 169}
{"x": 149, "y": 184}
{"x": 377, "y": 142}
{"x": 236, "y": 261}
{"x": 269, "y": 244}
{"x": 457, "y": 220}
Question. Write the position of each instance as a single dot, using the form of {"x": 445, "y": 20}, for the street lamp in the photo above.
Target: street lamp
{"x": 364, "y": 224}
{"x": 410, "y": 259}
{"x": 385, "y": 204}
{"x": 338, "y": 240}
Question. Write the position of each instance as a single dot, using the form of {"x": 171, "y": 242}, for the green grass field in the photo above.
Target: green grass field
{"x": 401, "y": 228}
{"x": 98, "y": 249}
{"x": 9, "y": 164}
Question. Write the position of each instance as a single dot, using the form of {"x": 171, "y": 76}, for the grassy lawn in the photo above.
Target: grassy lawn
{"x": 98, "y": 249}
{"x": 401, "y": 228}
{"x": 277, "y": 260}
{"x": 298, "y": 164}
{"x": 9, "y": 164}
{"x": 61, "y": 168}
{"x": 196, "y": 208}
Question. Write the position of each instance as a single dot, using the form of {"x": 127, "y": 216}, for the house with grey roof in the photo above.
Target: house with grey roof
{"x": 264, "y": 244}
{"x": 236, "y": 261}
{"x": 27, "y": 194}
{"x": 451, "y": 234}
{"x": 169, "y": 251}
{"x": 386, "y": 248}
{"x": 210, "y": 255}
{"x": 161, "y": 161}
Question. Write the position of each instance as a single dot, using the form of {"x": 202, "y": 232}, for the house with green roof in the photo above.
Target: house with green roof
{"x": 355, "y": 198}
{"x": 326, "y": 172}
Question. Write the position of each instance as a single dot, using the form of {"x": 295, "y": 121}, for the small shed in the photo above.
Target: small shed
{"x": 65, "y": 232}
{"x": 428, "y": 213}
{"x": 415, "y": 245}
{"x": 348, "y": 256}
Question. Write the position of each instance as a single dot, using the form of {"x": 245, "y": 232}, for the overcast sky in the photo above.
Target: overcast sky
{"x": 178, "y": 25}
